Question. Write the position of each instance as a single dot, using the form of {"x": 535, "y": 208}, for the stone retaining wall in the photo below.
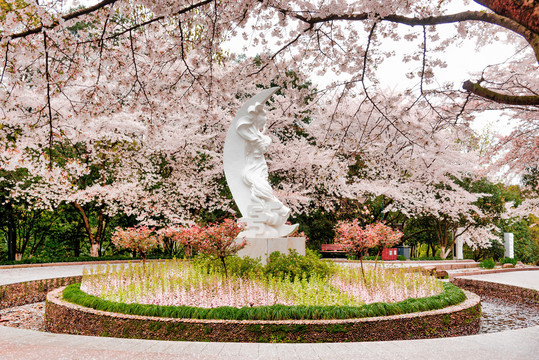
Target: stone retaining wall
{"x": 30, "y": 292}
{"x": 458, "y": 320}
{"x": 503, "y": 292}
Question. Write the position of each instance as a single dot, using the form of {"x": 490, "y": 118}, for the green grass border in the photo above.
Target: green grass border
{"x": 451, "y": 295}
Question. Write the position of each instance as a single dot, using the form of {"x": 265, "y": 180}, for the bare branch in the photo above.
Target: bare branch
{"x": 49, "y": 108}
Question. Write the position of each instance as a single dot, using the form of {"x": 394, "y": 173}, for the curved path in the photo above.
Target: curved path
{"x": 28, "y": 344}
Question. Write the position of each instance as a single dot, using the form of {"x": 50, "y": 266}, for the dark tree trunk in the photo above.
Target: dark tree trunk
{"x": 76, "y": 244}
{"x": 11, "y": 233}
{"x": 433, "y": 249}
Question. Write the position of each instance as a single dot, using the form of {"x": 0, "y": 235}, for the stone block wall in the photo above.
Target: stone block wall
{"x": 458, "y": 320}
{"x": 29, "y": 292}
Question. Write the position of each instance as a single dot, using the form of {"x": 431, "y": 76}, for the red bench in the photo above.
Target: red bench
{"x": 333, "y": 249}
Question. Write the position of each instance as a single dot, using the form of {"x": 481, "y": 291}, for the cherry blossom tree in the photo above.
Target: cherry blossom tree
{"x": 121, "y": 107}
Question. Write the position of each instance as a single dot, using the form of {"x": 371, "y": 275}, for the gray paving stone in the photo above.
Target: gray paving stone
{"x": 268, "y": 351}
{"x": 248, "y": 351}
{"x": 527, "y": 279}
{"x": 230, "y": 349}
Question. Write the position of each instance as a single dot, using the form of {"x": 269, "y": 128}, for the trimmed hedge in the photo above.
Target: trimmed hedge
{"x": 451, "y": 295}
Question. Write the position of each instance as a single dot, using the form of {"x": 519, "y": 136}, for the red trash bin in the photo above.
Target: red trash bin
{"x": 389, "y": 254}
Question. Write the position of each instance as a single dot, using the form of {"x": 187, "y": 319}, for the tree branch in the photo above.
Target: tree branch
{"x": 478, "y": 90}
{"x": 5, "y": 63}
{"x": 73, "y": 15}
{"x": 531, "y": 37}
{"x": 92, "y": 9}
{"x": 151, "y": 21}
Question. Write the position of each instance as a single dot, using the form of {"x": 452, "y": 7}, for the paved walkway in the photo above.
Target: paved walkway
{"x": 16, "y": 275}
{"x": 526, "y": 279}
{"x": 28, "y": 344}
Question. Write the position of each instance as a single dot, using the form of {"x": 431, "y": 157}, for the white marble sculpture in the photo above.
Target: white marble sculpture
{"x": 246, "y": 172}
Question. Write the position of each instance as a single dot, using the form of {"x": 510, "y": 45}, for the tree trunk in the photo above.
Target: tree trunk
{"x": 94, "y": 250}
{"x": 11, "y": 232}
{"x": 444, "y": 253}
{"x": 224, "y": 265}
{"x": 522, "y": 11}
{"x": 76, "y": 246}
{"x": 95, "y": 241}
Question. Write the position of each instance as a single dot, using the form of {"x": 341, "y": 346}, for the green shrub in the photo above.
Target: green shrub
{"x": 487, "y": 264}
{"x": 494, "y": 251}
{"x": 427, "y": 258}
{"x": 236, "y": 266}
{"x": 401, "y": 257}
{"x": 508, "y": 261}
{"x": 295, "y": 266}
{"x": 370, "y": 257}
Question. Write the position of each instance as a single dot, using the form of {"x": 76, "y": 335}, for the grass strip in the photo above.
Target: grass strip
{"x": 451, "y": 295}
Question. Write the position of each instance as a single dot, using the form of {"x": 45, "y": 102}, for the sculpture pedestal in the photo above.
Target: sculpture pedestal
{"x": 262, "y": 248}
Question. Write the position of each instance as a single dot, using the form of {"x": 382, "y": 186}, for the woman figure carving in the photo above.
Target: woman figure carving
{"x": 255, "y": 174}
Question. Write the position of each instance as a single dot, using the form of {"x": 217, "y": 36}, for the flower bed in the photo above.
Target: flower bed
{"x": 178, "y": 283}
{"x": 456, "y": 320}
{"x": 292, "y": 298}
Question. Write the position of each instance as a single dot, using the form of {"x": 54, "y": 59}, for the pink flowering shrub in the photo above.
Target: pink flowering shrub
{"x": 140, "y": 239}
{"x": 355, "y": 239}
{"x": 383, "y": 235}
{"x": 219, "y": 240}
{"x": 189, "y": 237}
{"x": 358, "y": 240}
